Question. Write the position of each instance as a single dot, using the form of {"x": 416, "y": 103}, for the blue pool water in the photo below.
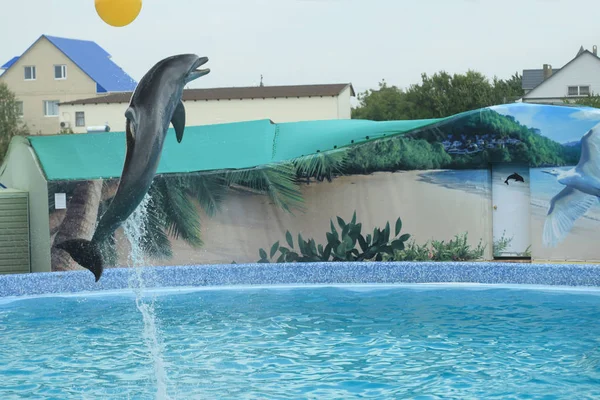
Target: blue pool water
{"x": 425, "y": 342}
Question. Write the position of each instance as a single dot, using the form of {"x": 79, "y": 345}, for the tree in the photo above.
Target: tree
{"x": 592, "y": 100}
{"x": 10, "y": 122}
{"x": 384, "y": 104}
{"x": 79, "y": 221}
{"x": 437, "y": 96}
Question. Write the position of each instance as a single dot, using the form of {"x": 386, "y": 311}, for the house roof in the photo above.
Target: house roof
{"x": 533, "y": 77}
{"x": 93, "y": 61}
{"x": 555, "y": 72}
{"x": 250, "y": 92}
{"x": 216, "y": 147}
{"x": 10, "y": 62}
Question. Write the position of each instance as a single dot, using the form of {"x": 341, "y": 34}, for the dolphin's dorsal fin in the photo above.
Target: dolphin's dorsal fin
{"x": 178, "y": 120}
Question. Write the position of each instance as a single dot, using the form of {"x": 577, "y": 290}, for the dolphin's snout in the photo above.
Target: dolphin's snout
{"x": 197, "y": 72}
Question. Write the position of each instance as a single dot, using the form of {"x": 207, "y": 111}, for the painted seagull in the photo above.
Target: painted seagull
{"x": 582, "y": 188}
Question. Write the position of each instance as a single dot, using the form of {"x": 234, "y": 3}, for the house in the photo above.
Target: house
{"x": 578, "y": 78}
{"x": 222, "y": 105}
{"x": 54, "y": 70}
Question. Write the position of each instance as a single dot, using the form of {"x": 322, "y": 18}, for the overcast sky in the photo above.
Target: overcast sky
{"x": 321, "y": 41}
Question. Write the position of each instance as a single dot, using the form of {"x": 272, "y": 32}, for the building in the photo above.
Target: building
{"x": 578, "y": 78}
{"x": 44, "y": 166}
{"x": 54, "y": 70}
{"x": 466, "y": 204}
{"x": 223, "y": 105}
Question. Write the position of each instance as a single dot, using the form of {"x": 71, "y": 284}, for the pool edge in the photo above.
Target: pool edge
{"x": 573, "y": 275}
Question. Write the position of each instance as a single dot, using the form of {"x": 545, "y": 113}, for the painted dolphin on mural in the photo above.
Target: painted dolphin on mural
{"x": 581, "y": 191}
{"x": 155, "y": 104}
{"x": 516, "y": 177}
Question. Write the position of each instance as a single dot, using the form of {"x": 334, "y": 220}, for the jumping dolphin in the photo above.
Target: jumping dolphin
{"x": 516, "y": 177}
{"x": 155, "y": 103}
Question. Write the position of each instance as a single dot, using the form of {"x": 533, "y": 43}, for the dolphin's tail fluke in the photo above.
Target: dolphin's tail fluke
{"x": 506, "y": 181}
{"x": 85, "y": 253}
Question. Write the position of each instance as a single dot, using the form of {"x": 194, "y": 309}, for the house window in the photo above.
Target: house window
{"x": 30, "y": 73}
{"x": 60, "y": 72}
{"x": 584, "y": 90}
{"x": 51, "y": 108}
{"x": 578, "y": 90}
{"x": 573, "y": 90}
{"x": 79, "y": 118}
{"x": 19, "y": 109}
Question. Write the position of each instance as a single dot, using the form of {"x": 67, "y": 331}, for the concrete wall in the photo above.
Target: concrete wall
{"x": 44, "y": 56}
{"x": 222, "y": 111}
{"x": 344, "y": 104}
{"x": 21, "y": 171}
{"x": 584, "y": 71}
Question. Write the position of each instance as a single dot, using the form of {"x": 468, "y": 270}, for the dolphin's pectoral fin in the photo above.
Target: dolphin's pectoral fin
{"x": 178, "y": 120}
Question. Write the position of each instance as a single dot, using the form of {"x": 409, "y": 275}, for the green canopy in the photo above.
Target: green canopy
{"x": 211, "y": 147}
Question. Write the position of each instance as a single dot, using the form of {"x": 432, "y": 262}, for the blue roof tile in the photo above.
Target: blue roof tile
{"x": 95, "y": 62}
{"x": 10, "y": 62}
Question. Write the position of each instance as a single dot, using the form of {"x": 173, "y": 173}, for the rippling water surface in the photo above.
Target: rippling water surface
{"x": 313, "y": 343}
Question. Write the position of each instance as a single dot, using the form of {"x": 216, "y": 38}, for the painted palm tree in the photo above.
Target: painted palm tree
{"x": 173, "y": 199}
{"x": 79, "y": 220}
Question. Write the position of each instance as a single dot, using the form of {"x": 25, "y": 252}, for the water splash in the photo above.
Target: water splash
{"x": 134, "y": 229}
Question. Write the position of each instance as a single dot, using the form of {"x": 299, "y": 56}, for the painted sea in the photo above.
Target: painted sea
{"x": 543, "y": 186}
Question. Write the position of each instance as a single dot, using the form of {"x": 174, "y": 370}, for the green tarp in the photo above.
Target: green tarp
{"x": 211, "y": 147}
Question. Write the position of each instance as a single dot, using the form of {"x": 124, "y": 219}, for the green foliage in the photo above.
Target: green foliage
{"x": 456, "y": 249}
{"x": 423, "y": 149}
{"x": 387, "y": 103}
{"x": 440, "y": 95}
{"x": 393, "y": 154}
{"x": 66, "y": 131}
{"x": 10, "y": 122}
{"x": 533, "y": 147}
{"x": 341, "y": 245}
{"x": 501, "y": 244}
{"x": 277, "y": 181}
{"x": 321, "y": 166}
{"x": 592, "y": 100}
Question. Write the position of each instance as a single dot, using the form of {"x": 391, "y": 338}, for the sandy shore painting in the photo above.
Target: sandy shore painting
{"x": 424, "y": 195}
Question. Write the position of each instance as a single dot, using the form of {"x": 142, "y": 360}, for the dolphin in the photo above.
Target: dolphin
{"x": 516, "y": 177}
{"x": 155, "y": 104}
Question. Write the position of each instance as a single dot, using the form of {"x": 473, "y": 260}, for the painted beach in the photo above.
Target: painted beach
{"x": 433, "y": 205}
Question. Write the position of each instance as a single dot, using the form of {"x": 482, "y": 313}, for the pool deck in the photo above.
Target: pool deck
{"x": 569, "y": 275}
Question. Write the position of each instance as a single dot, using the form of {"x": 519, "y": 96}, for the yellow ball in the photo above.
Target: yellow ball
{"x": 118, "y": 12}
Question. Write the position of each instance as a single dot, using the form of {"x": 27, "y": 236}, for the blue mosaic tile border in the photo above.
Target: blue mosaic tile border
{"x": 587, "y": 275}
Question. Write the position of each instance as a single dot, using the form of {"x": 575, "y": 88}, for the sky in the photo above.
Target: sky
{"x": 561, "y": 124}
{"x": 294, "y": 42}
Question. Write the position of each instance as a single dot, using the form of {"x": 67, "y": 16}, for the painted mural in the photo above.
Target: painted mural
{"x": 496, "y": 182}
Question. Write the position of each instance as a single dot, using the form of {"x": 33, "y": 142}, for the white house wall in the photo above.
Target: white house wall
{"x": 344, "y": 104}
{"x": 22, "y": 172}
{"x": 583, "y": 71}
{"x": 202, "y": 112}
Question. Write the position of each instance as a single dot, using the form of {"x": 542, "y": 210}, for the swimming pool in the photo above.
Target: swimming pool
{"x": 309, "y": 341}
